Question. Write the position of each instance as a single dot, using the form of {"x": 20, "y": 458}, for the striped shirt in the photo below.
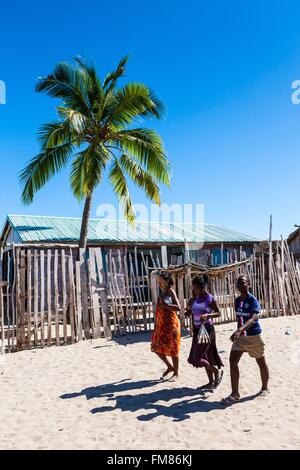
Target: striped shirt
{"x": 201, "y": 306}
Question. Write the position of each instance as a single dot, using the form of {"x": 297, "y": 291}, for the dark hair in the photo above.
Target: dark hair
{"x": 248, "y": 282}
{"x": 200, "y": 280}
{"x": 246, "y": 278}
{"x": 166, "y": 276}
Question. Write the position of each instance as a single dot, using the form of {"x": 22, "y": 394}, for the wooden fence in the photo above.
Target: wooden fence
{"x": 274, "y": 278}
{"x": 57, "y": 295}
{"x": 50, "y": 297}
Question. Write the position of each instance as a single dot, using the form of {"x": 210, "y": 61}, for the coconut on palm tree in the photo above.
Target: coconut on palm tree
{"x": 94, "y": 132}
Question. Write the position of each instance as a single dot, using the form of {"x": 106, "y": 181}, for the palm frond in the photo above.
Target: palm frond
{"x": 87, "y": 170}
{"x": 119, "y": 183}
{"x": 42, "y": 168}
{"x": 54, "y": 134}
{"x": 140, "y": 177}
{"x": 133, "y": 101}
{"x": 68, "y": 83}
{"x": 159, "y": 108}
{"x": 73, "y": 120}
{"x": 147, "y": 147}
{"x": 95, "y": 92}
{"x": 89, "y": 69}
{"x": 111, "y": 79}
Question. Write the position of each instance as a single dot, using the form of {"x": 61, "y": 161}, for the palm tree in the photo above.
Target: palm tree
{"x": 94, "y": 130}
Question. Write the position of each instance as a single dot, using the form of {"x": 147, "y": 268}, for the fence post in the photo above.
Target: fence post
{"x": 78, "y": 303}
{"x": 84, "y": 293}
{"x": 188, "y": 290}
{"x": 103, "y": 294}
{"x": 154, "y": 295}
{"x": 180, "y": 284}
{"x": 270, "y": 269}
{"x": 94, "y": 296}
{"x": 164, "y": 256}
{"x": 1, "y": 305}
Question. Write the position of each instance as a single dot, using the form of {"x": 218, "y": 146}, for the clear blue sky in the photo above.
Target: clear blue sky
{"x": 224, "y": 70}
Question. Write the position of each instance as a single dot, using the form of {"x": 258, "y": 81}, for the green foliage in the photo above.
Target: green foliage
{"x": 94, "y": 127}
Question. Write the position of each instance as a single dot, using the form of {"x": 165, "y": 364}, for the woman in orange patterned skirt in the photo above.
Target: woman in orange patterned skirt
{"x": 166, "y": 337}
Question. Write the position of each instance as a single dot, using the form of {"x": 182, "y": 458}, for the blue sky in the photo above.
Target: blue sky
{"x": 224, "y": 70}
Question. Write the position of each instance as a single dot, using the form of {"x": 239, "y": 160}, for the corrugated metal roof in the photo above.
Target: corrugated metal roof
{"x": 66, "y": 229}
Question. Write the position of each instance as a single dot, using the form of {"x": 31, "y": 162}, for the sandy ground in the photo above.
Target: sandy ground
{"x": 106, "y": 395}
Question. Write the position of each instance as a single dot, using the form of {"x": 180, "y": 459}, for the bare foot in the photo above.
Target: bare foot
{"x": 168, "y": 371}
{"x": 174, "y": 378}
{"x": 264, "y": 393}
{"x": 209, "y": 385}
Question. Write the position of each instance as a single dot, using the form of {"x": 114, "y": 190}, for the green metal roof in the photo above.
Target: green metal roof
{"x": 65, "y": 229}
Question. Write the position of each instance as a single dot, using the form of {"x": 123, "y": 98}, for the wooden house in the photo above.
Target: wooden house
{"x": 172, "y": 243}
{"x": 293, "y": 242}
{"x": 53, "y": 293}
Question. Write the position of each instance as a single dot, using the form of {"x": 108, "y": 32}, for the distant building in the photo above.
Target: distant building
{"x": 294, "y": 243}
{"x": 208, "y": 244}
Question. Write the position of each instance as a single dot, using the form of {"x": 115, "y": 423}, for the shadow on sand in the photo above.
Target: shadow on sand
{"x": 190, "y": 400}
{"x": 139, "y": 337}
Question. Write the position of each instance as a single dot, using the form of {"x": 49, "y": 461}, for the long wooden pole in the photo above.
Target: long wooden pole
{"x": 270, "y": 267}
{"x": 1, "y": 306}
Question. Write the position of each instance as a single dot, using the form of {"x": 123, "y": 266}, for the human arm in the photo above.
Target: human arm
{"x": 175, "y": 305}
{"x": 244, "y": 327}
{"x": 188, "y": 308}
{"x": 215, "y": 311}
{"x": 253, "y": 313}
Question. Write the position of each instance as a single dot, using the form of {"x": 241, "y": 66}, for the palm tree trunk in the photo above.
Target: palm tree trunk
{"x": 85, "y": 222}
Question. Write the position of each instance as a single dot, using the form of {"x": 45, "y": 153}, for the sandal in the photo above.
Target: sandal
{"x": 230, "y": 400}
{"x": 218, "y": 380}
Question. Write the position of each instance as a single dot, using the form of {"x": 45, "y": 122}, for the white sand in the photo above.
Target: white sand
{"x": 104, "y": 395}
